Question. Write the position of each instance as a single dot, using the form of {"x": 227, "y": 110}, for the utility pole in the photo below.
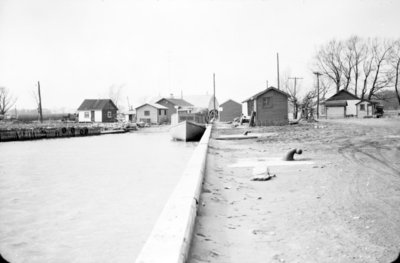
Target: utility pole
{"x": 214, "y": 93}
{"x": 277, "y": 65}
{"x": 318, "y": 74}
{"x": 40, "y": 104}
{"x": 294, "y": 96}
{"x": 295, "y": 83}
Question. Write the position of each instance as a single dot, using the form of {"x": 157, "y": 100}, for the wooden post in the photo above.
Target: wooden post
{"x": 40, "y": 104}
{"x": 214, "y": 96}
{"x": 318, "y": 74}
{"x": 277, "y": 65}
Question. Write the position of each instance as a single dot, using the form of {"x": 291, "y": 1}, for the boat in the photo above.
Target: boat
{"x": 187, "y": 131}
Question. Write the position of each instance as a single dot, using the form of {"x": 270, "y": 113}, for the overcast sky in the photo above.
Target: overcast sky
{"x": 77, "y": 49}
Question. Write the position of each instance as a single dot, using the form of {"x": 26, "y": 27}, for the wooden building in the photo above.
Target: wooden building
{"x": 365, "y": 108}
{"x": 270, "y": 107}
{"x": 230, "y": 110}
{"x": 102, "y": 110}
{"x": 152, "y": 113}
{"x": 172, "y": 103}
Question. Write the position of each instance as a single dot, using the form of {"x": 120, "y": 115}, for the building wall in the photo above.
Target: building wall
{"x": 335, "y": 112}
{"x": 98, "y": 116}
{"x": 275, "y": 113}
{"x": 162, "y": 116}
{"x": 250, "y": 106}
{"x": 171, "y": 108}
{"x": 81, "y": 116}
{"x": 367, "y": 110}
{"x": 351, "y": 108}
{"x": 230, "y": 110}
{"x": 153, "y": 117}
{"x": 104, "y": 115}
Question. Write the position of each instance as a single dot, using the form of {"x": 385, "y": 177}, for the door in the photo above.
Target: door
{"x": 92, "y": 116}
{"x": 335, "y": 112}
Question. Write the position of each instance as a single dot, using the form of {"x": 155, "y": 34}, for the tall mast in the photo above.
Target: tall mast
{"x": 277, "y": 66}
{"x": 40, "y": 104}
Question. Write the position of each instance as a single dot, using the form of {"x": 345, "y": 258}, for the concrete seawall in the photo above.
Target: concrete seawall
{"x": 170, "y": 239}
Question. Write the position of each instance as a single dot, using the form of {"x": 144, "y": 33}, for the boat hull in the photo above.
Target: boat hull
{"x": 187, "y": 131}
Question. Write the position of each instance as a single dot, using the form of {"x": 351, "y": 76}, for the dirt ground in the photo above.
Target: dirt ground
{"x": 337, "y": 202}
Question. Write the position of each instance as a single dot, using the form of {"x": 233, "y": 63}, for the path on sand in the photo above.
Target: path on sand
{"x": 339, "y": 205}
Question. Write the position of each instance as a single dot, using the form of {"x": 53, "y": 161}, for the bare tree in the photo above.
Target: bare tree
{"x": 359, "y": 49}
{"x": 347, "y": 63}
{"x": 329, "y": 62}
{"x": 292, "y": 90}
{"x": 7, "y": 100}
{"x": 307, "y": 104}
{"x": 382, "y": 77}
{"x": 114, "y": 93}
{"x": 395, "y": 63}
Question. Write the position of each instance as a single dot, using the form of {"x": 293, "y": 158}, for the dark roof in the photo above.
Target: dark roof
{"x": 97, "y": 105}
{"x": 343, "y": 95}
{"x": 265, "y": 91}
{"x": 336, "y": 103}
{"x": 230, "y": 101}
{"x": 177, "y": 102}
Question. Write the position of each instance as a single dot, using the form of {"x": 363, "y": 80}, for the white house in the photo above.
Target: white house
{"x": 103, "y": 110}
{"x": 341, "y": 105}
{"x": 152, "y": 113}
{"x": 365, "y": 108}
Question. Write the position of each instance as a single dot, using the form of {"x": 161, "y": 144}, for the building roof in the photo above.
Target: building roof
{"x": 343, "y": 95}
{"x": 97, "y": 104}
{"x": 369, "y": 101}
{"x": 265, "y": 91}
{"x": 336, "y": 103}
{"x": 230, "y": 101}
{"x": 177, "y": 102}
{"x": 154, "y": 105}
{"x": 203, "y": 101}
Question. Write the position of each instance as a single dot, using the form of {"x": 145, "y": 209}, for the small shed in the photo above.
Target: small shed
{"x": 130, "y": 116}
{"x": 270, "y": 107}
{"x": 230, "y": 110}
{"x": 152, "y": 113}
{"x": 341, "y": 105}
{"x": 172, "y": 103}
{"x": 365, "y": 108}
{"x": 101, "y": 110}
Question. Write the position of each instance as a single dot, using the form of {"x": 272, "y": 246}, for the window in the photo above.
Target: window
{"x": 362, "y": 107}
{"x": 165, "y": 112}
{"x": 87, "y": 114}
{"x": 159, "y": 112}
{"x": 267, "y": 102}
{"x": 109, "y": 114}
{"x": 146, "y": 113}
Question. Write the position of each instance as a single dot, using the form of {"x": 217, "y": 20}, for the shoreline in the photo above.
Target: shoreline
{"x": 336, "y": 203}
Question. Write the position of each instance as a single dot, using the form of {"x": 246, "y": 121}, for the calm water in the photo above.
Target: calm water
{"x": 92, "y": 199}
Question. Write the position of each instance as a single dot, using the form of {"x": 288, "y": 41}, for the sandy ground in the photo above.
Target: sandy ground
{"x": 338, "y": 202}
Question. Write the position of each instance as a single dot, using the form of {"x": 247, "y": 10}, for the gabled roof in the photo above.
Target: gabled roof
{"x": 97, "y": 105}
{"x": 177, "y": 102}
{"x": 369, "y": 101}
{"x": 343, "y": 95}
{"x": 154, "y": 105}
{"x": 265, "y": 91}
{"x": 203, "y": 101}
{"x": 230, "y": 101}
